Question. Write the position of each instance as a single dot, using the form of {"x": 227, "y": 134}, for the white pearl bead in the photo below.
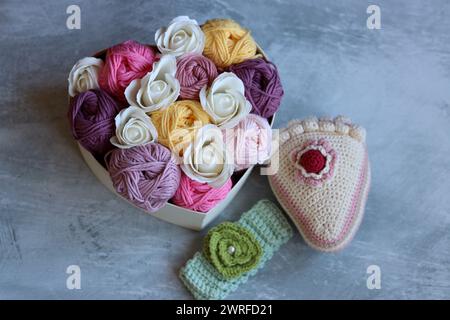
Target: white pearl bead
{"x": 231, "y": 249}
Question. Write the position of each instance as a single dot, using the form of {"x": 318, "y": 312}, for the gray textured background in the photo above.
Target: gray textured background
{"x": 394, "y": 81}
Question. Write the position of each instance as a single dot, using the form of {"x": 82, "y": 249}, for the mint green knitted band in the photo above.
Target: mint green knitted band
{"x": 270, "y": 228}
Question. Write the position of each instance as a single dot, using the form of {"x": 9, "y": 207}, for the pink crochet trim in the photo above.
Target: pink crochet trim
{"x": 358, "y": 200}
{"x": 311, "y": 178}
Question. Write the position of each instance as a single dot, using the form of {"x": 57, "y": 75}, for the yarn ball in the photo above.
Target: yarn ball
{"x": 194, "y": 71}
{"x": 199, "y": 196}
{"x": 146, "y": 175}
{"x": 91, "y": 116}
{"x": 176, "y": 125}
{"x": 249, "y": 142}
{"x": 227, "y": 43}
{"x": 262, "y": 85}
{"x": 123, "y": 63}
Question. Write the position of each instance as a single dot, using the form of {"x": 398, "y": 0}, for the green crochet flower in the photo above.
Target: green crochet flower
{"x": 231, "y": 249}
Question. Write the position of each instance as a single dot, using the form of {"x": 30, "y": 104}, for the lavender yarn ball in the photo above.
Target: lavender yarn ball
{"x": 262, "y": 85}
{"x": 146, "y": 175}
{"x": 91, "y": 116}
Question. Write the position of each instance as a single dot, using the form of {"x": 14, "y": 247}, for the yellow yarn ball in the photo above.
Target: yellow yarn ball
{"x": 227, "y": 43}
{"x": 176, "y": 125}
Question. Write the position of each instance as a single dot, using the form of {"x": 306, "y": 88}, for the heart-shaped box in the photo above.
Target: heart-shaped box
{"x": 172, "y": 213}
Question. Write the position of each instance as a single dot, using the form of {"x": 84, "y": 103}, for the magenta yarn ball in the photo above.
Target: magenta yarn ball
{"x": 146, "y": 175}
{"x": 123, "y": 63}
{"x": 194, "y": 71}
{"x": 91, "y": 117}
{"x": 199, "y": 196}
{"x": 262, "y": 85}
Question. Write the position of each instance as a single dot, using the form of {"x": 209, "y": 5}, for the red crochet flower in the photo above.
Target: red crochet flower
{"x": 314, "y": 161}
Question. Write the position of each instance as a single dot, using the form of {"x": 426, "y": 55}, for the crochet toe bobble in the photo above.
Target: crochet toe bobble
{"x": 226, "y": 42}
{"x": 176, "y": 124}
{"x": 194, "y": 71}
{"x": 199, "y": 196}
{"x": 147, "y": 175}
{"x": 91, "y": 116}
{"x": 249, "y": 142}
{"x": 124, "y": 63}
{"x": 262, "y": 85}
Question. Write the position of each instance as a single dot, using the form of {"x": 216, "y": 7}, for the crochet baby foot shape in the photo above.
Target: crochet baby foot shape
{"x": 323, "y": 179}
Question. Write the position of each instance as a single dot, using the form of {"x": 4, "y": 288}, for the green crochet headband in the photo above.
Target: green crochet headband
{"x": 234, "y": 251}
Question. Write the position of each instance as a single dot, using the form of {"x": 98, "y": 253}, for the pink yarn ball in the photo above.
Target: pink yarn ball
{"x": 249, "y": 142}
{"x": 125, "y": 62}
{"x": 194, "y": 71}
{"x": 146, "y": 175}
{"x": 199, "y": 196}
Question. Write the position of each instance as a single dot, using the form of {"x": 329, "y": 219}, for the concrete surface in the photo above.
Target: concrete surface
{"x": 394, "y": 81}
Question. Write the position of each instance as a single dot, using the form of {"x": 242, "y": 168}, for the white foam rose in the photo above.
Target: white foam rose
{"x": 225, "y": 101}
{"x": 158, "y": 89}
{"x": 206, "y": 159}
{"x": 84, "y": 75}
{"x": 182, "y": 35}
{"x": 133, "y": 128}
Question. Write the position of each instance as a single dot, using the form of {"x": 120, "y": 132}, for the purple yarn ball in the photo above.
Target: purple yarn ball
{"x": 91, "y": 115}
{"x": 262, "y": 85}
{"x": 146, "y": 175}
